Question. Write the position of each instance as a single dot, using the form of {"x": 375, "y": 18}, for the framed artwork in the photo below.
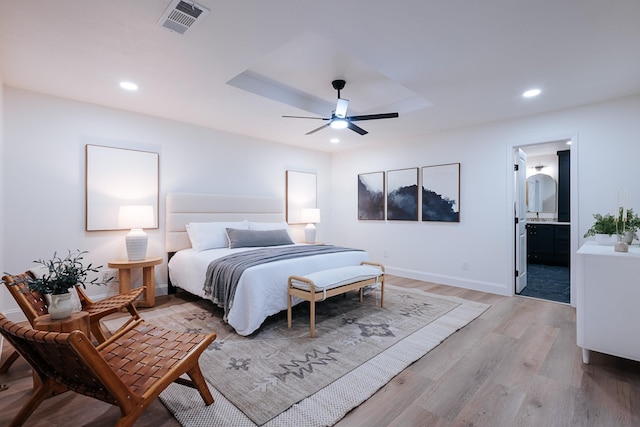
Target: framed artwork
{"x": 116, "y": 177}
{"x": 441, "y": 193}
{"x": 371, "y": 196}
{"x": 402, "y": 194}
{"x": 301, "y": 193}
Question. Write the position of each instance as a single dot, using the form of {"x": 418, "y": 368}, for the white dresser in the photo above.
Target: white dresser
{"x": 608, "y": 301}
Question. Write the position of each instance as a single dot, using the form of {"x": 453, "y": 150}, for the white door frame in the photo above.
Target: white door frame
{"x": 520, "y": 219}
{"x": 574, "y": 239}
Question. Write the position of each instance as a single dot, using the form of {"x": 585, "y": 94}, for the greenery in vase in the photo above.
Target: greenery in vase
{"x": 606, "y": 224}
{"x": 63, "y": 274}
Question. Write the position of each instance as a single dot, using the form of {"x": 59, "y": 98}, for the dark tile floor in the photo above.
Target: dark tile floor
{"x": 548, "y": 282}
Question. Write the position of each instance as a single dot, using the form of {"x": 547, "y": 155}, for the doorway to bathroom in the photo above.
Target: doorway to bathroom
{"x": 543, "y": 221}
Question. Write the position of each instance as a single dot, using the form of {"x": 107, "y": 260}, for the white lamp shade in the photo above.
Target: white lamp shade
{"x": 136, "y": 216}
{"x": 310, "y": 215}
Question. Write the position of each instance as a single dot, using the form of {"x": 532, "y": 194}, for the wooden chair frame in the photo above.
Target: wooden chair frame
{"x": 128, "y": 370}
{"x": 33, "y": 304}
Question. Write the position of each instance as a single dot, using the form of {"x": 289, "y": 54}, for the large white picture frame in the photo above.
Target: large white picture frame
{"x": 117, "y": 177}
{"x": 301, "y": 193}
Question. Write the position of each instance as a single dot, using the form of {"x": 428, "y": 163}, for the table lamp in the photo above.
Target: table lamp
{"x": 311, "y": 216}
{"x": 136, "y": 217}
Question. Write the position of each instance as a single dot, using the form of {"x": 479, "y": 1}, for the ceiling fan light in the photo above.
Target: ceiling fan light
{"x": 339, "y": 124}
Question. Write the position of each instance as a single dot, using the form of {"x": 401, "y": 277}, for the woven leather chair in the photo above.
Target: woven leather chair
{"x": 33, "y": 304}
{"x": 128, "y": 370}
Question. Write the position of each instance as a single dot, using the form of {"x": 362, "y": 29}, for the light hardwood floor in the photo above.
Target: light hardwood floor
{"x": 516, "y": 365}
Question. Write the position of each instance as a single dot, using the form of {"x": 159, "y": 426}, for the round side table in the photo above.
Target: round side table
{"x": 124, "y": 275}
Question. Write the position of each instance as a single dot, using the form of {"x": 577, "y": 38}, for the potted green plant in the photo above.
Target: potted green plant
{"x": 606, "y": 225}
{"x": 59, "y": 276}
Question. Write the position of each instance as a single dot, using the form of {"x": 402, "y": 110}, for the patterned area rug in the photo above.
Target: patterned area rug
{"x": 280, "y": 376}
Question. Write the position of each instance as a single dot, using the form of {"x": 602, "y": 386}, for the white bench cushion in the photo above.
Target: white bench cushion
{"x": 335, "y": 277}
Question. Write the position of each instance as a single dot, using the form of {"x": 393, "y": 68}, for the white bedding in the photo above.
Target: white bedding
{"x": 262, "y": 290}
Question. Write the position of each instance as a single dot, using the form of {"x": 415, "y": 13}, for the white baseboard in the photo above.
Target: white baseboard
{"x": 476, "y": 285}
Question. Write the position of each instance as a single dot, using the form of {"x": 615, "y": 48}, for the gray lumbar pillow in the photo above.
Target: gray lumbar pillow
{"x": 252, "y": 238}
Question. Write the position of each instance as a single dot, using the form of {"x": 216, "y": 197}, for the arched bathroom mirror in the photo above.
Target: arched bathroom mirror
{"x": 541, "y": 193}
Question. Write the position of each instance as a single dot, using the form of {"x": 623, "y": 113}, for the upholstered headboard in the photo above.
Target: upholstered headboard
{"x": 183, "y": 208}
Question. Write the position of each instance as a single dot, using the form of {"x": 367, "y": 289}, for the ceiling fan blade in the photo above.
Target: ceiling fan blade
{"x": 341, "y": 108}
{"x": 305, "y": 117}
{"x": 357, "y": 129}
{"x": 317, "y": 129}
{"x": 374, "y": 116}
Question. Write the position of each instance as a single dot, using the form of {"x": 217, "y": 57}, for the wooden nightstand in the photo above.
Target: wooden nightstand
{"x": 148, "y": 269}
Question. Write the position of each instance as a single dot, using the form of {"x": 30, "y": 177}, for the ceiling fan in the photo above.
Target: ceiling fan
{"x": 339, "y": 118}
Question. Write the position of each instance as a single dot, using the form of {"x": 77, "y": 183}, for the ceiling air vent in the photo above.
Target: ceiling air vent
{"x": 181, "y": 16}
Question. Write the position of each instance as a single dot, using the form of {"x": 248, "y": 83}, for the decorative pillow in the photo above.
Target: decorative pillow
{"x": 270, "y": 226}
{"x": 211, "y": 235}
{"x": 253, "y": 238}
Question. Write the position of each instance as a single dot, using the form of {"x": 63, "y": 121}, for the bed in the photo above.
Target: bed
{"x": 261, "y": 289}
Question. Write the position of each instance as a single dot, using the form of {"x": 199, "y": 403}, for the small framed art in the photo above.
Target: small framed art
{"x": 301, "y": 193}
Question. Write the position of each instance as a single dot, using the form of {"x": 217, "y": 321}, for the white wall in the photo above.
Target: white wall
{"x": 608, "y": 155}
{"x": 44, "y": 169}
{"x": 4, "y": 294}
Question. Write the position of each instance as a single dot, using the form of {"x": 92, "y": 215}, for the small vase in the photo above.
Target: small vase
{"x": 61, "y": 306}
{"x": 621, "y": 245}
{"x": 628, "y": 237}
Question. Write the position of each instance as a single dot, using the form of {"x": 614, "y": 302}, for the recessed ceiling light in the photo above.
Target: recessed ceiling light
{"x": 334, "y": 140}
{"x": 531, "y": 93}
{"x": 128, "y": 85}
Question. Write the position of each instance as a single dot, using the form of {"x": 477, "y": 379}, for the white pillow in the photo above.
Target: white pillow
{"x": 211, "y": 235}
{"x": 270, "y": 226}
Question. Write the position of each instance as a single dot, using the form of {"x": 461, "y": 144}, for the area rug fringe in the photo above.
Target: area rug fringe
{"x": 333, "y": 402}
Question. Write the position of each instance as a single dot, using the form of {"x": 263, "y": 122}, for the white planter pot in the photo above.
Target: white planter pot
{"x": 61, "y": 306}
{"x": 605, "y": 239}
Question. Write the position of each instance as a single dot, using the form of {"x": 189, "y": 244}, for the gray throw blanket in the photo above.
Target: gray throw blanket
{"x": 224, "y": 273}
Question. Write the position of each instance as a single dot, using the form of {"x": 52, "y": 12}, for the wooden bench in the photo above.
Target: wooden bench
{"x": 323, "y": 284}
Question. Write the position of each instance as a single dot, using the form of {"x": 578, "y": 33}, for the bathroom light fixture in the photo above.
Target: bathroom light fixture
{"x": 334, "y": 140}
{"x": 129, "y": 86}
{"x": 531, "y": 93}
